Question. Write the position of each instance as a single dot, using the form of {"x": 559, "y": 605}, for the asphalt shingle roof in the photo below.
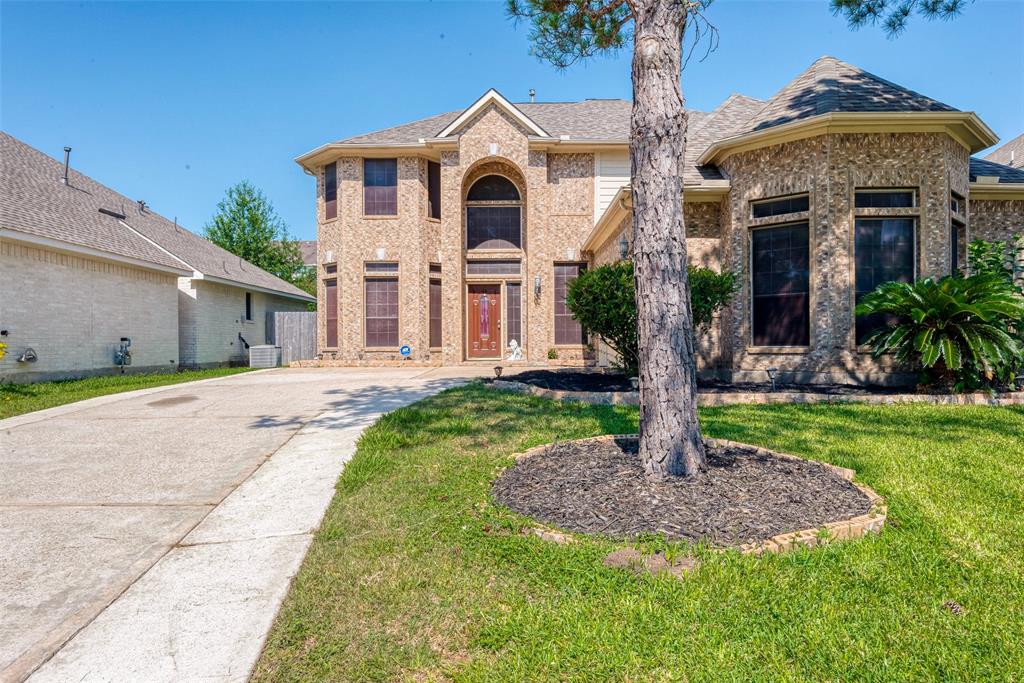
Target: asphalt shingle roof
{"x": 1006, "y": 174}
{"x": 1010, "y": 154}
{"x": 34, "y": 200}
{"x": 831, "y": 85}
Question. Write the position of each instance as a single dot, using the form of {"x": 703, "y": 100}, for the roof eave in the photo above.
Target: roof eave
{"x": 965, "y": 127}
{"x": 622, "y": 202}
{"x": 998, "y": 191}
{"x": 255, "y": 288}
{"x": 81, "y": 250}
{"x": 335, "y": 150}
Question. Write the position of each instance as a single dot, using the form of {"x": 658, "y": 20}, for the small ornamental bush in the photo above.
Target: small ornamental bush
{"x": 603, "y": 301}
{"x": 964, "y": 332}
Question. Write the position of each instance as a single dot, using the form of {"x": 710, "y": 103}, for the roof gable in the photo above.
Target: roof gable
{"x": 1011, "y": 154}
{"x": 490, "y": 97}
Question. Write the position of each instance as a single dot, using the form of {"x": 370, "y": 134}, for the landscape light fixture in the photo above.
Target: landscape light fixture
{"x": 772, "y": 374}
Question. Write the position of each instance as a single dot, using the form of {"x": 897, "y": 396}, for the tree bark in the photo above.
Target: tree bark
{"x": 670, "y": 438}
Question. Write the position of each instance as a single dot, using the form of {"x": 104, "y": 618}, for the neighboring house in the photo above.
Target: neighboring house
{"x": 307, "y": 248}
{"x": 82, "y": 266}
{"x": 1011, "y": 154}
{"x": 458, "y": 233}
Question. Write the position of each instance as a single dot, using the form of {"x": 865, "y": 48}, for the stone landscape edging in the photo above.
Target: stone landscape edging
{"x": 632, "y": 398}
{"x": 870, "y": 522}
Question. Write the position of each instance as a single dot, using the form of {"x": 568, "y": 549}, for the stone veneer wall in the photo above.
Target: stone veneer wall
{"x": 703, "y": 229}
{"x": 996, "y": 219}
{"x": 830, "y": 168}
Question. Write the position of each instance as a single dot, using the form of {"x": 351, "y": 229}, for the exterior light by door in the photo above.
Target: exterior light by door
{"x": 623, "y": 247}
{"x": 536, "y": 286}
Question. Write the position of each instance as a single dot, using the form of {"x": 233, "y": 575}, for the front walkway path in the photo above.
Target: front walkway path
{"x": 151, "y": 536}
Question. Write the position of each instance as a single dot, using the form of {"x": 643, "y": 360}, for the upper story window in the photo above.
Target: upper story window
{"x": 380, "y": 187}
{"x": 886, "y": 199}
{"x": 494, "y": 214}
{"x": 780, "y": 205}
{"x": 331, "y": 190}
{"x": 434, "y": 190}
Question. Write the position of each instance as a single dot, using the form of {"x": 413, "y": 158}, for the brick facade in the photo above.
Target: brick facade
{"x": 89, "y": 305}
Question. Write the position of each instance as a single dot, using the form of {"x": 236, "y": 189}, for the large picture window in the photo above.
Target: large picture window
{"x": 780, "y": 286}
{"x": 380, "y": 187}
{"x": 381, "y": 316}
{"x": 493, "y": 214}
{"x": 883, "y": 252}
{"x": 567, "y": 330}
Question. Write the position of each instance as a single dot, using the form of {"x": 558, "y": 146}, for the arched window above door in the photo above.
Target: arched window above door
{"x": 493, "y": 188}
{"x": 494, "y": 214}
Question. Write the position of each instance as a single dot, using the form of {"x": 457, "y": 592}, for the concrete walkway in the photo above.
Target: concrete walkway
{"x": 151, "y": 536}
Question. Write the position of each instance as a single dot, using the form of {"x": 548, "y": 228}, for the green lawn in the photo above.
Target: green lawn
{"x": 417, "y": 575}
{"x": 16, "y": 399}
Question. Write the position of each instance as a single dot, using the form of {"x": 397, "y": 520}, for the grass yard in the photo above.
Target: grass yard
{"x": 416, "y": 575}
{"x": 16, "y": 399}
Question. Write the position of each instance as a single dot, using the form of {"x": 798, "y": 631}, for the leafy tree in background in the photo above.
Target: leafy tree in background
{"x": 247, "y": 225}
{"x": 566, "y": 31}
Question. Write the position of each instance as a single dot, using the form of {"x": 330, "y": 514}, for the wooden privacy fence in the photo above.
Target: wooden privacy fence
{"x": 294, "y": 332}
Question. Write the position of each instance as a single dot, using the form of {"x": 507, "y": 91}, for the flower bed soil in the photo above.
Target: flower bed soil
{"x": 745, "y": 495}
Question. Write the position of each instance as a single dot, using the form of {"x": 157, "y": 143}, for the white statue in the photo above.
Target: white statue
{"x": 516, "y": 351}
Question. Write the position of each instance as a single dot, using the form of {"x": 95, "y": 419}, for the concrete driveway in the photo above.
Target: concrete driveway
{"x": 151, "y": 536}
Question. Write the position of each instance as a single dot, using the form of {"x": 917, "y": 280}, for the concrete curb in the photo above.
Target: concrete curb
{"x": 632, "y": 398}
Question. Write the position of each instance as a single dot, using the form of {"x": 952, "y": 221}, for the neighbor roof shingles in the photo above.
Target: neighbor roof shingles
{"x": 1010, "y": 154}
{"x": 34, "y": 200}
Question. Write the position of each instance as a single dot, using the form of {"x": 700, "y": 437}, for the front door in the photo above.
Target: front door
{"x": 483, "y": 319}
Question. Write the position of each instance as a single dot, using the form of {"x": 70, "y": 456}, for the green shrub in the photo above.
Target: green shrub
{"x": 603, "y": 300}
{"x": 964, "y": 332}
{"x": 991, "y": 258}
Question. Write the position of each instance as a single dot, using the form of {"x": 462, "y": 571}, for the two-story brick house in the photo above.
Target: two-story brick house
{"x": 456, "y": 234}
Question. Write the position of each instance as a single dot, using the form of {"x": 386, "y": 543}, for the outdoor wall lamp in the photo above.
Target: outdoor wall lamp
{"x": 536, "y": 286}
{"x": 623, "y": 247}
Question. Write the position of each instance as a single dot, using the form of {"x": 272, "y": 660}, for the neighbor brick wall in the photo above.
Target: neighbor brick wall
{"x": 211, "y": 316}
{"x": 73, "y": 311}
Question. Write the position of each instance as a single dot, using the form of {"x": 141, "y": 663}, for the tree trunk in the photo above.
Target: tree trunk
{"x": 670, "y": 438}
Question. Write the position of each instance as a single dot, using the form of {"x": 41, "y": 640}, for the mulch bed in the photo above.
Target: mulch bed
{"x": 572, "y": 380}
{"x": 599, "y": 487}
{"x": 576, "y": 380}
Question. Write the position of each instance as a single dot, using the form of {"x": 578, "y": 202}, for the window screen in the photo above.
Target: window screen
{"x": 380, "y": 187}
{"x": 567, "y": 330}
{"x": 514, "y": 312}
{"x": 381, "y": 318}
{"x": 884, "y": 199}
{"x": 434, "y": 189}
{"x": 780, "y": 296}
{"x": 331, "y": 304}
{"x": 435, "y": 314}
{"x": 331, "y": 191}
{"x": 777, "y": 207}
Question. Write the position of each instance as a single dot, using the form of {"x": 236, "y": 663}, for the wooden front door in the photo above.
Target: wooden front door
{"x": 483, "y": 320}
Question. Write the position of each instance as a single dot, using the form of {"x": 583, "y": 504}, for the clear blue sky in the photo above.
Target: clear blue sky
{"x": 174, "y": 102}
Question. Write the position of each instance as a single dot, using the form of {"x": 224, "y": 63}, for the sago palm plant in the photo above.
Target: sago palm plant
{"x": 961, "y": 330}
